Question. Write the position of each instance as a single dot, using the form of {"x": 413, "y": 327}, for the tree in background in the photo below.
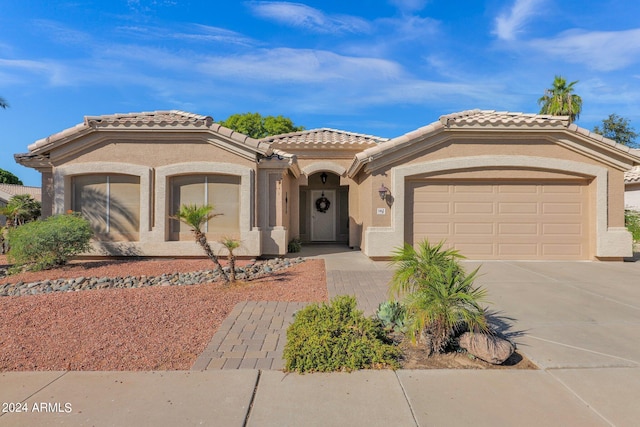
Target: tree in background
{"x": 7, "y": 177}
{"x": 559, "y": 100}
{"x": 619, "y": 129}
{"x": 3, "y": 103}
{"x": 256, "y": 126}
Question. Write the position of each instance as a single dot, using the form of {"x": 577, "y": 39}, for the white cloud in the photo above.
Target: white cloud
{"x": 300, "y": 66}
{"x": 508, "y": 25}
{"x": 55, "y": 72}
{"x": 599, "y": 50}
{"x": 303, "y": 16}
{"x": 409, "y": 5}
{"x": 193, "y": 33}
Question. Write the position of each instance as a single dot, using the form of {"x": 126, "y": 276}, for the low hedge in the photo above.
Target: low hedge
{"x": 48, "y": 243}
{"x": 337, "y": 337}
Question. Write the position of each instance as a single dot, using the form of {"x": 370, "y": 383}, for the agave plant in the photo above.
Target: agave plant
{"x": 444, "y": 302}
{"x": 392, "y": 315}
{"x": 195, "y": 217}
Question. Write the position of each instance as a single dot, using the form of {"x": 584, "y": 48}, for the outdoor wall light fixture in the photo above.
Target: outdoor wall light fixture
{"x": 383, "y": 191}
{"x": 323, "y": 177}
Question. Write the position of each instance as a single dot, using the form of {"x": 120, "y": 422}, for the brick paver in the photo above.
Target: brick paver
{"x": 253, "y": 336}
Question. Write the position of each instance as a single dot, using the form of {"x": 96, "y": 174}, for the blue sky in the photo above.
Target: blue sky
{"x": 382, "y": 67}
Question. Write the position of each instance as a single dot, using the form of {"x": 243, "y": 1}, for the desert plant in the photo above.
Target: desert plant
{"x": 295, "y": 245}
{"x": 415, "y": 267}
{"x": 231, "y": 245}
{"x": 21, "y": 208}
{"x": 195, "y": 217}
{"x": 392, "y": 315}
{"x": 446, "y": 301}
{"x": 632, "y": 222}
{"x": 336, "y": 337}
{"x": 48, "y": 243}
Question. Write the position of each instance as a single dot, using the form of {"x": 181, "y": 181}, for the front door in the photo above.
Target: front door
{"x": 323, "y": 215}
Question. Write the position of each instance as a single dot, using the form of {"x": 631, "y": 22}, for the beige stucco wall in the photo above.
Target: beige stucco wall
{"x": 156, "y": 162}
{"x": 632, "y": 196}
{"x": 533, "y": 159}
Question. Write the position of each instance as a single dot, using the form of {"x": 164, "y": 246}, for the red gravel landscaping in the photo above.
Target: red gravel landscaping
{"x": 153, "y": 328}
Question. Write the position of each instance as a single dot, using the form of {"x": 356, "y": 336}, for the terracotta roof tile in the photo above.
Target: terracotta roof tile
{"x": 632, "y": 175}
{"x": 486, "y": 118}
{"x": 324, "y": 137}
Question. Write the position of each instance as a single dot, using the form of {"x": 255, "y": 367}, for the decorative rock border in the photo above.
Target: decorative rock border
{"x": 251, "y": 271}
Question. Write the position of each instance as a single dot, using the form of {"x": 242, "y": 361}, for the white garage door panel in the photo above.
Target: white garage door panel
{"x": 503, "y": 221}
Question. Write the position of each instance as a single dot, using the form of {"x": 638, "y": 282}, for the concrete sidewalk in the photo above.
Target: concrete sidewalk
{"x": 578, "y": 321}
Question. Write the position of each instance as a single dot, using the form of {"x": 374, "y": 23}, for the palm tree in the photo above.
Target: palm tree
{"x": 443, "y": 305}
{"x": 3, "y": 103}
{"x": 20, "y": 209}
{"x": 231, "y": 245}
{"x": 560, "y": 100}
{"x": 414, "y": 267}
{"x": 195, "y": 217}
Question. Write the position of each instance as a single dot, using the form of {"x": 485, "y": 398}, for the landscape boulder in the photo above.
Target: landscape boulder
{"x": 488, "y": 347}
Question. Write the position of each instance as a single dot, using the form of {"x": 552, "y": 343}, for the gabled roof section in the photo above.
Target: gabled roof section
{"x": 171, "y": 120}
{"x": 7, "y": 191}
{"x": 474, "y": 120}
{"x": 324, "y": 138}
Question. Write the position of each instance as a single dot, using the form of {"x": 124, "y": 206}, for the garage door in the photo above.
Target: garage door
{"x": 502, "y": 220}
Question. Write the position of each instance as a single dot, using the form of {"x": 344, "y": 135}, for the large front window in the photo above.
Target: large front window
{"x": 220, "y": 191}
{"x": 111, "y": 203}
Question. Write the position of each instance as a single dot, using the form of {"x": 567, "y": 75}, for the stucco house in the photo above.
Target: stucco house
{"x": 632, "y": 188}
{"x": 495, "y": 185}
{"x": 7, "y": 191}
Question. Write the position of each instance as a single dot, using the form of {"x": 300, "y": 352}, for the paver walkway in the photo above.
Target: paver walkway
{"x": 253, "y": 336}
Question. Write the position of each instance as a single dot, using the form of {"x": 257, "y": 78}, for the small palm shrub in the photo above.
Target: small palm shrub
{"x": 632, "y": 222}
{"x": 337, "y": 337}
{"x": 231, "y": 244}
{"x": 443, "y": 305}
{"x": 413, "y": 267}
{"x": 438, "y": 295}
{"x": 195, "y": 217}
{"x": 48, "y": 243}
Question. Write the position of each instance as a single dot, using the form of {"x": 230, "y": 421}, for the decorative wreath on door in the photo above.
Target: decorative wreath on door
{"x": 322, "y": 204}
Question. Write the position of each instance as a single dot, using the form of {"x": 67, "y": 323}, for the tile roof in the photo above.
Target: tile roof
{"x": 9, "y": 190}
{"x": 487, "y": 118}
{"x": 170, "y": 117}
{"x": 333, "y": 138}
{"x": 482, "y": 119}
{"x": 144, "y": 120}
{"x": 632, "y": 175}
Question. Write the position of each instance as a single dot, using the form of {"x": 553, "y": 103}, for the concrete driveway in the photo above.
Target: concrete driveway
{"x": 580, "y": 322}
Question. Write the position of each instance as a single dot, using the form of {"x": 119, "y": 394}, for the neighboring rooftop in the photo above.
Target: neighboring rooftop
{"x": 632, "y": 176}
{"x": 324, "y": 136}
{"x": 7, "y": 191}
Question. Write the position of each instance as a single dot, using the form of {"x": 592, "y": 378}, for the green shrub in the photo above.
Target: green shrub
{"x": 337, "y": 337}
{"x": 632, "y": 221}
{"x": 48, "y": 243}
{"x": 295, "y": 245}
